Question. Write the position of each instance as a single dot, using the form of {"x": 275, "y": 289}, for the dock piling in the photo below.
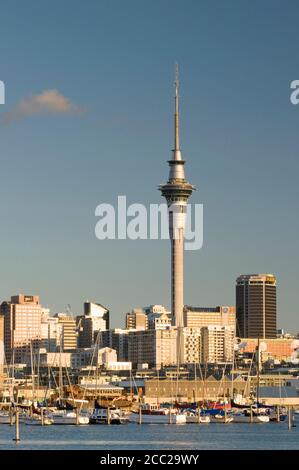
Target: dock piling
{"x": 17, "y": 426}
{"x": 289, "y": 418}
{"x": 293, "y": 418}
{"x": 10, "y": 416}
{"x": 169, "y": 416}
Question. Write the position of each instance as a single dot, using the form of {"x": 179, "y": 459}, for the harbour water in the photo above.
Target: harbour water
{"x": 268, "y": 436}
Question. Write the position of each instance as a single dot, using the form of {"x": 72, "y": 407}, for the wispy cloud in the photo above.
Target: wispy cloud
{"x": 47, "y": 102}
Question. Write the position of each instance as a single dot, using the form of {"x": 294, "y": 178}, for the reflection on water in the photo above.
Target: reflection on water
{"x": 145, "y": 437}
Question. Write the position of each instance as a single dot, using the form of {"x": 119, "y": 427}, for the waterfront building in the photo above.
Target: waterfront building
{"x": 212, "y": 388}
{"x": 217, "y": 344}
{"x": 156, "y": 348}
{"x": 186, "y": 390}
{"x": 137, "y": 320}
{"x": 68, "y": 331}
{"x": 256, "y": 306}
{"x": 283, "y": 396}
{"x": 117, "y": 366}
{"x": 177, "y": 191}
{"x": 198, "y": 317}
{"x": 276, "y": 349}
{"x": 95, "y": 319}
{"x": 22, "y": 326}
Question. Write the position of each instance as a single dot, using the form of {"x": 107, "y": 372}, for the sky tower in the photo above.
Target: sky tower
{"x": 177, "y": 191}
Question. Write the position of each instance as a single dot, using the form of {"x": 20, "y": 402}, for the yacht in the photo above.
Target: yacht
{"x": 36, "y": 419}
{"x": 100, "y": 416}
{"x": 5, "y": 417}
{"x": 157, "y": 414}
{"x": 243, "y": 416}
{"x": 192, "y": 417}
{"x": 68, "y": 417}
{"x": 150, "y": 414}
{"x": 221, "y": 418}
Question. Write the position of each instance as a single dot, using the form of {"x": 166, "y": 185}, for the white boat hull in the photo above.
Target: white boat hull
{"x": 5, "y": 419}
{"x": 149, "y": 418}
{"x": 69, "y": 418}
{"x": 179, "y": 419}
{"x": 100, "y": 416}
{"x": 158, "y": 419}
{"x": 222, "y": 419}
{"x": 194, "y": 419}
{"x": 255, "y": 419}
{"x": 36, "y": 421}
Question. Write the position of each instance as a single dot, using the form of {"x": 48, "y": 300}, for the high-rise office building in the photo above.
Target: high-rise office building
{"x": 137, "y": 320}
{"x": 177, "y": 191}
{"x": 198, "y": 317}
{"x": 256, "y": 306}
{"x": 68, "y": 338}
{"x": 94, "y": 320}
{"x": 96, "y": 310}
{"x": 22, "y": 326}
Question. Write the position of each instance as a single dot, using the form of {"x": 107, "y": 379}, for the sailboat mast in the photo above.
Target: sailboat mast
{"x": 32, "y": 372}
{"x": 60, "y": 384}
{"x": 258, "y": 370}
{"x": 232, "y": 378}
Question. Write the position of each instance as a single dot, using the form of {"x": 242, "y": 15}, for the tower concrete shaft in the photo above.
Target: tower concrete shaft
{"x": 177, "y": 192}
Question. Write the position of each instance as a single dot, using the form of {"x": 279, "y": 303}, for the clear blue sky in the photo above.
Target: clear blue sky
{"x": 239, "y": 136}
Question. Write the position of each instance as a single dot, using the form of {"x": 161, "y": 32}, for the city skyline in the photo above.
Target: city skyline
{"x": 56, "y": 169}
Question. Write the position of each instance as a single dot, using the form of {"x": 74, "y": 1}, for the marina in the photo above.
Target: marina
{"x": 160, "y": 436}
{"x": 130, "y": 322}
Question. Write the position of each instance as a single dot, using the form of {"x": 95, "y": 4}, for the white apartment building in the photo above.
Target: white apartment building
{"x": 191, "y": 344}
{"x": 156, "y": 348}
{"x": 217, "y": 344}
{"x": 51, "y": 331}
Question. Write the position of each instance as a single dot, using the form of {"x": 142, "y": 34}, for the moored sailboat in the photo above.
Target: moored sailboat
{"x": 102, "y": 415}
